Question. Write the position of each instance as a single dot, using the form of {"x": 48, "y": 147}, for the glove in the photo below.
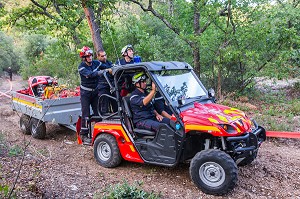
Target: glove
{"x": 109, "y": 70}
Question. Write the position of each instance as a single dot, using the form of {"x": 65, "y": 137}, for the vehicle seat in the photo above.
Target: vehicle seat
{"x": 127, "y": 86}
{"x": 130, "y": 125}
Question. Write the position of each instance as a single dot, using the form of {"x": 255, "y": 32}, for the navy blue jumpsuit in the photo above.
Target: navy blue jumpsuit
{"x": 143, "y": 115}
{"x": 104, "y": 88}
{"x": 123, "y": 62}
{"x": 89, "y": 76}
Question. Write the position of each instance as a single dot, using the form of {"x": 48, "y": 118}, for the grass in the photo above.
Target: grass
{"x": 275, "y": 111}
{"x": 127, "y": 191}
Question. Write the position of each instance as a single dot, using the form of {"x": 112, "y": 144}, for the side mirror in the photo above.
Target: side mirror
{"x": 211, "y": 94}
{"x": 181, "y": 100}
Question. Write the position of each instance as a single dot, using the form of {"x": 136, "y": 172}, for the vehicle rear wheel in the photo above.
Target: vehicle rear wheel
{"x": 214, "y": 172}
{"x": 25, "y": 124}
{"x": 37, "y": 128}
{"x": 248, "y": 159}
{"x": 106, "y": 151}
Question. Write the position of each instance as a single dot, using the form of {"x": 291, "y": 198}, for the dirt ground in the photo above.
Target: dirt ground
{"x": 57, "y": 167}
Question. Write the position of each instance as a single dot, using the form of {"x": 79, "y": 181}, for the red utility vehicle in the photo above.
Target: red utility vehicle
{"x": 213, "y": 138}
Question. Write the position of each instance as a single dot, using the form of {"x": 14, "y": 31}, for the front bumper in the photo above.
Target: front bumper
{"x": 248, "y": 142}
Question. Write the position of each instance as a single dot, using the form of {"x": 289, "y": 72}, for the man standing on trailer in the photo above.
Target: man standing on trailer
{"x": 89, "y": 75}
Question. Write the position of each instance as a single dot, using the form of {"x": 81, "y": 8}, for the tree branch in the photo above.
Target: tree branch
{"x": 43, "y": 8}
{"x": 164, "y": 20}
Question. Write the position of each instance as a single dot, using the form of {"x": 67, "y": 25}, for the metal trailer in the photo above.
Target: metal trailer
{"x": 36, "y": 111}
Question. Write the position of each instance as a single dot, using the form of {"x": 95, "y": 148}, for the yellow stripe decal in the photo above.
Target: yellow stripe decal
{"x": 213, "y": 120}
{"x": 27, "y": 103}
{"x": 235, "y": 118}
{"x": 222, "y": 118}
{"x": 114, "y": 127}
{"x": 202, "y": 128}
{"x": 132, "y": 148}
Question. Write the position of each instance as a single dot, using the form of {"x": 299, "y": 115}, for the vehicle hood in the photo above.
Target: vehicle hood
{"x": 210, "y": 117}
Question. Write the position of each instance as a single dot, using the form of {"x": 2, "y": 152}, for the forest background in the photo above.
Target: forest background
{"x": 229, "y": 43}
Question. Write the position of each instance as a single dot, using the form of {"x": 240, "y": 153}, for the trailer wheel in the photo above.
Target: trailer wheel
{"x": 106, "y": 151}
{"x": 248, "y": 159}
{"x": 25, "y": 124}
{"x": 37, "y": 128}
{"x": 214, "y": 172}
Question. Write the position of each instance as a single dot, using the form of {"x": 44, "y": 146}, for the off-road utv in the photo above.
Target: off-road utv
{"x": 213, "y": 138}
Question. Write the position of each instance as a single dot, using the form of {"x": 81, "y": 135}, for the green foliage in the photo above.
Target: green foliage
{"x": 8, "y": 57}
{"x": 56, "y": 60}
{"x": 260, "y": 38}
{"x": 149, "y": 36}
{"x": 15, "y": 150}
{"x": 4, "y": 191}
{"x": 125, "y": 190}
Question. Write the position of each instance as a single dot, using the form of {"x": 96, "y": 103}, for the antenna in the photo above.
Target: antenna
{"x": 113, "y": 41}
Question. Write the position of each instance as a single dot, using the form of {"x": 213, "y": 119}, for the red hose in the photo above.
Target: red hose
{"x": 282, "y": 134}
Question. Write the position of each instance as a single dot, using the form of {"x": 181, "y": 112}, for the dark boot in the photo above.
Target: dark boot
{"x": 85, "y": 139}
{"x": 84, "y": 136}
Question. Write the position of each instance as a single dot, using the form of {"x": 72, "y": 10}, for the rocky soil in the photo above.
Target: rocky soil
{"x": 57, "y": 167}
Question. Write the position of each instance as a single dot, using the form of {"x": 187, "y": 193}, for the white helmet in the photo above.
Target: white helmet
{"x": 124, "y": 50}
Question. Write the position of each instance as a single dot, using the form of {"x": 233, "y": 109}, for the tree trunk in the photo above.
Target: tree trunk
{"x": 94, "y": 28}
{"x": 196, "y": 56}
{"x": 197, "y": 33}
{"x": 219, "y": 85}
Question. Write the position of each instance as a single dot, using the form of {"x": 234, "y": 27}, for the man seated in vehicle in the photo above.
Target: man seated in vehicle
{"x": 144, "y": 114}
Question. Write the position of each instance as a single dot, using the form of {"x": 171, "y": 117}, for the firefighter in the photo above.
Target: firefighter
{"x": 89, "y": 78}
{"x": 127, "y": 54}
{"x": 104, "y": 87}
{"x": 144, "y": 114}
{"x": 128, "y": 58}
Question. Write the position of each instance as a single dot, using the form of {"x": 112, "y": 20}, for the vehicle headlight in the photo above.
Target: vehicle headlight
{"x": 228, "y": 128}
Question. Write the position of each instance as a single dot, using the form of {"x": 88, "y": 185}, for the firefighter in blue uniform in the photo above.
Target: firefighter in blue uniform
{"x": 144, "y": 114}
{"x": 104, "y": 88}
{"x": 128, "y": 58}
{"x": 89, "y": 75}
{"x": 127, "y": 54}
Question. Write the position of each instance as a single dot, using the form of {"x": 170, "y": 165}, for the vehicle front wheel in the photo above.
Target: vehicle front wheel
{"x": 106, "y": 151}
{"x": 214, "y": 172}
{"x": 37, "y": 128}
{"x": 25, "y": 124}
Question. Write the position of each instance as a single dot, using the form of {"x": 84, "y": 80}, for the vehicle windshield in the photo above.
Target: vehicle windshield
{"x": 178, "y": 83}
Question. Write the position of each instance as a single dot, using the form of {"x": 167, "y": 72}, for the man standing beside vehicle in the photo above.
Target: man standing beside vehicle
{"x": 89, "y": 76}
{"x": 104, "y": 88}
{"x": 144, "y": 114}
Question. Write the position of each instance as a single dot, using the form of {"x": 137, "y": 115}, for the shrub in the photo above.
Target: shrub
{"x": 124, "y": 190}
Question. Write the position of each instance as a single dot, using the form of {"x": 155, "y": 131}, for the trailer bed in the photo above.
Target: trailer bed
{"x": 63, "y": 111}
